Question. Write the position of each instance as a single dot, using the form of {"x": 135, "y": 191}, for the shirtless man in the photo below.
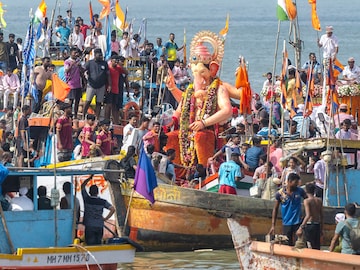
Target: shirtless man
{"x": 312, "y": 223}
{"x": 41, "y": 74}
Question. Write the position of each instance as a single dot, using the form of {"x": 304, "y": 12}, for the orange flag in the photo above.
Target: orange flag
{"x": 291, "y": 9}
{"x": 314, "y": 17}
{"x": 242, "y": 81}
{"x": 60, "y": 88}
{"x": 106, "y": 8}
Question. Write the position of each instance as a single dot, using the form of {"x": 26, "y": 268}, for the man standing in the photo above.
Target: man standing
{"x": 159, "y": 48}
{"x": 289, "y": 197}
{"x": 93, "y": 213}
{"x": 329, "y": 43}
{"x": 41, "y": 74}
{"x": 312, "y": 223}
{"x": 13, "y": 52}
{"x": 22, "y": 135}
{"x": 229, "y": 173}
{"x": 171, "y": 49}
{"x": 98, "y": 74}
{"x": 73, "y": 78}
{"x": 4, "y": 55}
{"x": 125, "y": 45}
{"x": 76, "y": 38}
{"x": 127, "y": 131}
{"x": 64, "y": 134}
{"x": 319, "y": 175}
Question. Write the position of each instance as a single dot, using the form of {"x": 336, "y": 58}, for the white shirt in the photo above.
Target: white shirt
{"x": 126, "y": 130}
{"x": 124, "y": 48}
{"x": 22, "y": 203}
{"x": 353, "y": 73}
{"x": 76, "y": 40}
{"x": 237, "y": 120}
{"x": 329, "y": 45}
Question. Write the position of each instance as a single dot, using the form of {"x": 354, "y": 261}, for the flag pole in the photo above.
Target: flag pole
{"x": 151, "y": 82}
{"x": 184, "y": 49}
{"x": 128, "y": 209}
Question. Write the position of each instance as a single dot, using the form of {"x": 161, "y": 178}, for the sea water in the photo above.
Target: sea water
{"x": 252, "y": 28}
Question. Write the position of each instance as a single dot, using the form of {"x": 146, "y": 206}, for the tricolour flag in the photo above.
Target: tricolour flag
{"x": 106, "y": 8}
{"x": 224, "y": 31}
{"x": 314, "y": 17}
{"x": 286, "y": 10}
{"x": 40, "y": 12}
{"x": 145, "y": 178}
{"x": 119, "y": 19}
{"x": 2, "y": 21}
{"x": 60, "y": 88}
{"x": 338, "y": 68}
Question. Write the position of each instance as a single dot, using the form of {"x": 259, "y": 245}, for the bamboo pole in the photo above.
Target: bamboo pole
{"x": 128, "y": 210}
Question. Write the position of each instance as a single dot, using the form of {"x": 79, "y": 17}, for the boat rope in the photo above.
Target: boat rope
{"x": 85, "y": 250}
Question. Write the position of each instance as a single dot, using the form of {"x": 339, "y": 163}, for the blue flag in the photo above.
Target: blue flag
{"x": 108, "y": 39}
{"x": 145, "y": 178}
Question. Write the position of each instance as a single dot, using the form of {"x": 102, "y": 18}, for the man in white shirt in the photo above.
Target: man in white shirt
{"x": 76, "y": 38}
{"x": 329, "y": 43}
{"x": 351, "y": 73}
{"x": 128, "y": 134}
{"x": 22, "y": 203}
{"x": 125, "y": 45}
{"x": 11, "y": 85}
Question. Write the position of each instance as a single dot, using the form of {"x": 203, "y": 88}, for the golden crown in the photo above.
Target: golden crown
{"x": 199, "y": 53}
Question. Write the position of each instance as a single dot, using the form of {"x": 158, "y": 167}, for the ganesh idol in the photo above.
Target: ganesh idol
{"x": 203, "y": 106}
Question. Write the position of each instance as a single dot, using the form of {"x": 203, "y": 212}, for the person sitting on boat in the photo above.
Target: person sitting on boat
{"x": 170, "y": 167}
{"x": 93, "y": 213}
{"x": 253, "y": 155}
{"x": 64, "y": 134}
{"x": 302, "y": 121}
{"x": 11, "y": 85}
{"x": 264, "y": 131}
{"x": 289, "y": 197}
{"x": 343, "y": 230}
{"x": 314, "y": 67}
{"x": 344, "y": 133}
{"x": 180, "y": 73}
{"x": 330, "y": 44}
{"x": 342, "y": 115}
{"x": 351, "y": 72}
{"x": 128, "y": 163}
{"x": 292, "y": 134}
{"x": 103, "y": 139}
{"x": 44, "y": 203}
{"x": 236, "y": 118}
{"x": 22, "y": 203}
{"x": 229, "y": 173}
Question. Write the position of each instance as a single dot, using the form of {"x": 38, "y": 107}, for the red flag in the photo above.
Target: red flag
{"x": 60, "y": 88}
{"x": 91, "y": 14}
{"x": 106, "y": 9}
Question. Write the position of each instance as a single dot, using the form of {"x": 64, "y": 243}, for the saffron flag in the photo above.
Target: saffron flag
{"x": 2, "y": 21}
{"x": 119, "y": 20}
{"x": 91, "y": 13}
{"x": 242, "y": 81}
{"x": 284, "y": 73}
{"x": 60, "y": 88}
{"x": 40, "y": 12}
{"x": 286, "y": 10}
{"x": 314, "y": 17}
{"x": 145, "y": 178}
{"x": 106, "y": 8}
{"x": 338, "y": 68}
{"x": 332, "y": 96}
{"x": 224, "y": 31}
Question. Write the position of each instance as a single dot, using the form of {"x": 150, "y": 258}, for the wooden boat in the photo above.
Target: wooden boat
{"x": 40, "y": 239}
{"x": 260, "y": 255}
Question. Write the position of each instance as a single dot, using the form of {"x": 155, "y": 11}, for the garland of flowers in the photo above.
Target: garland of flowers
{"x": 186, "y": 135}
{"x": 349, "y": 90}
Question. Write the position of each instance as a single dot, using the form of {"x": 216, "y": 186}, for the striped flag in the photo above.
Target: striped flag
{"x": 338, "y": 68}
{"x": 332, "y": 96}
{"x": 314, "y": 17}
{"x": 29, "y": 53}
{"x": 119, "y": 19}
{"x": 224, "y": 31}
{"x": 40, "y": 12}
{"x": 91, "y": 13}
{"x": 286, "y": 10}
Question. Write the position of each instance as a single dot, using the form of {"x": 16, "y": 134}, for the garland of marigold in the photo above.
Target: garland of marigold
{"x": 186, "y": 135}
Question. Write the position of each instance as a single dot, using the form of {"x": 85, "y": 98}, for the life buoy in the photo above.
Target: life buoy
{"x": 128, "y": 106}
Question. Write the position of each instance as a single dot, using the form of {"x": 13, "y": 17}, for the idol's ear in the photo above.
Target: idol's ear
{"x": 214, "y": 68}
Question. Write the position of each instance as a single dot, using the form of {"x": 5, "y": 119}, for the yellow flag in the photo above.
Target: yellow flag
{"x": 120, "y": 17}
{"x": 224, "y": 31}
{"x": 2, "y": 21}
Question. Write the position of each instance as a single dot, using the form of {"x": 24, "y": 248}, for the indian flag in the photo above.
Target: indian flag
{"x": 286, "y": 10}
{"x": 119, "y": 19}
{"x": 40, "y": 13}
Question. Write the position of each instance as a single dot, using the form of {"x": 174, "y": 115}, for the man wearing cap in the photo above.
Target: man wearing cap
{"x": 98, "y": 75}
{"x": 64, "y": 134}
{"x": 342, "y": 115}
{"x": 13, "y": 52}
{"x": 351, "y": 73}
{"x": 236, "y": 118}
{"x": 229, "y": 173}
{"x": 22, "y": 203}
{"x": 329, "y": 43}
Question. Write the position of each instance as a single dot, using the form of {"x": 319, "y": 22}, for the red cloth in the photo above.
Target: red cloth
{"x": 227, "y": 189}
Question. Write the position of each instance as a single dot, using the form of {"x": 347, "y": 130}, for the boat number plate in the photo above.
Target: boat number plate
{"x": 67, "y": 258}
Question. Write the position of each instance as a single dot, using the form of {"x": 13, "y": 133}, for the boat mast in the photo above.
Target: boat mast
{"x": 297, "y": 42}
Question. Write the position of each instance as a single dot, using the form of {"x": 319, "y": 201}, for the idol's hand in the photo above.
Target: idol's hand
{"x": 170, "y": 80}
{"x": 197, "y": 125}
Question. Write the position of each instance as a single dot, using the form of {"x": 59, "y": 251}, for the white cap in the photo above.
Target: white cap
{"x": 23, "y": 191}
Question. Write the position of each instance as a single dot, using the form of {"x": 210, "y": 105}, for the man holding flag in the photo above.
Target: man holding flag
{"x": 329, "y": 43}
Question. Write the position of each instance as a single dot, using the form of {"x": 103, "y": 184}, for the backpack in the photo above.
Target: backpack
{"x": 354, "y": 235}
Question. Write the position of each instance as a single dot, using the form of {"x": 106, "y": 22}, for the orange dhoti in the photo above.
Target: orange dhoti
{"x": 204, "y": 143}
